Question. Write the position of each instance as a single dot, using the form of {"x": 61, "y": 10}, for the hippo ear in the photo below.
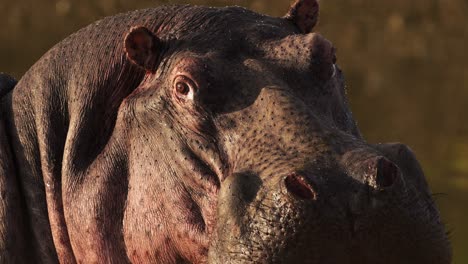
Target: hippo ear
{"x": 304, "y": 13}
{"x": 143, "y": 48}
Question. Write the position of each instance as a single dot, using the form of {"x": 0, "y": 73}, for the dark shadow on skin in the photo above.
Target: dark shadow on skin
{"x": 6, "y": 86}
{"x": 245, "y": 187}
{"x": 7, "y": 83}
{"x": 248, "y": 184}
{"x": 225, "y": 94}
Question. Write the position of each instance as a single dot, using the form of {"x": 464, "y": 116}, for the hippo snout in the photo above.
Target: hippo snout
{"x": 378, "y": 175}
{"x": 357, "y": 207}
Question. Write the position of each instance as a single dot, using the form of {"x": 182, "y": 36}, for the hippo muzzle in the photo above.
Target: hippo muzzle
{"x": 318, "y": 195}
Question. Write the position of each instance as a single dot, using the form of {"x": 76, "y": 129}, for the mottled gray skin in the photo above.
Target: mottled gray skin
{"x": 202, "y": 135}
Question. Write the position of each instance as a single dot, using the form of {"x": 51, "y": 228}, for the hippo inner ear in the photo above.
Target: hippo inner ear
{"x": 143, "y": 48}
{"x": 304, "y": 13}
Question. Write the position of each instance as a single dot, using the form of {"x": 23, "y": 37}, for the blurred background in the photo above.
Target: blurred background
{"x": 404, "y": 61}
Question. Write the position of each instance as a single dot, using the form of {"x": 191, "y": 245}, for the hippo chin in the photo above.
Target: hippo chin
{"x": 187, "y": 134}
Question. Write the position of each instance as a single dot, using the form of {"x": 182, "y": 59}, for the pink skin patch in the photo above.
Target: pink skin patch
{"x": 296, "y": 185}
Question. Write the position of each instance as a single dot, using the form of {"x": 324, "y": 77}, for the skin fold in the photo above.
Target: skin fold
{"x": 186, "y": 134}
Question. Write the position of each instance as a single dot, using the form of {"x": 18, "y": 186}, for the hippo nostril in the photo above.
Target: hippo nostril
{"x": 387, "y": 173}
{"x": 298, "y": 186}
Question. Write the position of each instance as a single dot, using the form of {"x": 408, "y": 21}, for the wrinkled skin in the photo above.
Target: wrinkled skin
{"x": 190, "y": 135}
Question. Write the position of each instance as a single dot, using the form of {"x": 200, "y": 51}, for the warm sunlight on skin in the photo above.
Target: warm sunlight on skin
{"x": 406, "y": 81}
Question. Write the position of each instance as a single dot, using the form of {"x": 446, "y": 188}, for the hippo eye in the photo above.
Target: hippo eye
{"x": 184, "y": 88}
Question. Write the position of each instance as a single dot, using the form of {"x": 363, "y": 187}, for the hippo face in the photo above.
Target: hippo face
{"x": 188, "y": 134}
{"x": 243, "y": 150}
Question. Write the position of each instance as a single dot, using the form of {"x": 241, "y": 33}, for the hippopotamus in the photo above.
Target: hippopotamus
{"x": 188, "y": 134}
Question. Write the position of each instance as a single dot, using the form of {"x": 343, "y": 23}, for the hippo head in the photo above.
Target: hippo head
{"x": 242, "y": 149}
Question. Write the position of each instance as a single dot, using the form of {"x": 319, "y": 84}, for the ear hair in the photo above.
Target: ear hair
{"x": 304, "y": 13}
{"x": 143, "y": 48}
